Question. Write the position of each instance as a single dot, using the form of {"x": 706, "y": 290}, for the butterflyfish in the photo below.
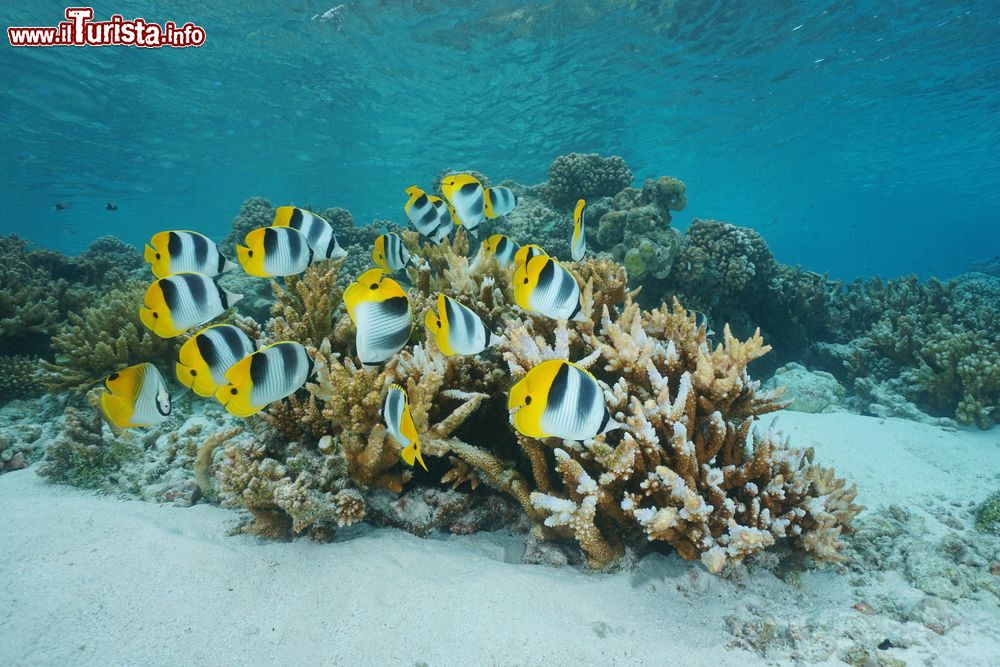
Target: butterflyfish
{"x": 544, "y": 286}
{"x": 428, "y": 214}
{"x": 465, "y": 194}
{"x": 559, "y": 399}
{"x": 274, "y": 251}
{"x": 135, "y": 396}
{"x": 318, "y": 232}
{"x": 399, "y": 423}
{"x": 207, "y": 356}
{"x": 185, "y": 252}
{"x": 578, "y": 244}
{"x": 526, "y": 252}
{"x": 381, "y": 314}
{"x": 458, "y": 329}
{"x": 503, "y": 247}
{"x": 263, "y": 377}
{"x": 498, "y": 201}
{"x": 182, "y": 301}
{"x": 389, "y": 253}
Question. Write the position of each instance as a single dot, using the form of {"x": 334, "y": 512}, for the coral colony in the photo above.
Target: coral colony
{"x": 607, "y": 400}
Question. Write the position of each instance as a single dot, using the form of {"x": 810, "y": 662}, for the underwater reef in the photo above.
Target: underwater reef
{"x": 674, "y": 327}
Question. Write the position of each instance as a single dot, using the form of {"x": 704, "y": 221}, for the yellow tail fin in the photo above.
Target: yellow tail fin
{"x": 411, "y": 453}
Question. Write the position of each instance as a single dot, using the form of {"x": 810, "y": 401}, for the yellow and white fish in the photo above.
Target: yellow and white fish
{"x": 399, "y": 423}
{"x": 465, "y": 194}
{"x": 578, "y": 244}
{"x": 318, "y": 232}
{"x": 503, "y": 247}
{"x": 135, "y": 396}
{"x": 174, "y": 304}
{"x": 268, "y": 375}
{"x": 559, "y": 399}
{"x": 430, "y": 215}
{"x": 544, "y": 286}
{"x": 526, "y": 252}
{"x": 183, "y": 251}
{"x": 206, "y": 357}
{"x": 498, "y": 201}
{"x": 274, "y": 251}
{"x": 389, "y": 253}
{"x": 457, "y": 329}
{"x": 381, "y": 314}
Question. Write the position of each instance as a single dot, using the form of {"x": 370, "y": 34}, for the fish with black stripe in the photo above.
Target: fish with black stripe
{"x": 399, "y": 422}
{"x": 465, "y": 195}
{"x": 544, "y": 286}
{"x": 381, "y": 314}
{"x": 498, "y": 201}
{"x": 174, "y": 304}
{"x": 578, "y": 242}
{"x": 559, "y": 399}
{"x": 265, "y": 376}
{"x": 135, "y": 396}
{"x": 428, "y": 214}
{"x": 526, "y": 252}
{"x": 206, "y": 357}
{"x": 317, "y": 230}
{"x": 183, "y": 251}
{"x": 457, "y": 329}
{"x": 274, "y": 251}
{"x": 389, "y": 253}
{"x": 503, "y": 247}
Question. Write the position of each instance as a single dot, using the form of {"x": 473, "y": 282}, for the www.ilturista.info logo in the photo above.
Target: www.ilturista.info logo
{"x": 79, "y": 29}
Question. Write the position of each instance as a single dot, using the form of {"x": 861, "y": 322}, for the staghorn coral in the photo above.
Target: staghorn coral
{"x": 104, "y": 338}
{"x": 680, "y": 470}
{"x": 304, "y": 308}
{"x": 587, "y": 176}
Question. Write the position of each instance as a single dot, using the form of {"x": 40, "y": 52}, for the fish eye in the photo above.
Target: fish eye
{"x": 156, "y": 315}
{"x": 194, "y": 372}
{"x": 525, "y": 281}
{"x": 113, "y": 376}
{"x": 527, "y": 400}
{"x": 157, "y": 255}
{"x": 439, "y": 324}
{"x": 250, "y": 253}
{"x": 374, "y": 286}
{"x": 234, "y": 391}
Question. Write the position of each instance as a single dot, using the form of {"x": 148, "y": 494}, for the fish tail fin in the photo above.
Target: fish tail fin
{"x": 411, "y": 453}
{"x": 232, "y": 298}
{"x": 337, "y": 251}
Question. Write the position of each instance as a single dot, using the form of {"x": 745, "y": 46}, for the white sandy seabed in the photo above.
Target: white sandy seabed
{"x": 94, "y": 580}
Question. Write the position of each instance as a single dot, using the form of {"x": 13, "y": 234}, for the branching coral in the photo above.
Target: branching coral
{"x": 305, "y": 307}
{"x": 681, "y": 471}
{"x": 104, "y": 338}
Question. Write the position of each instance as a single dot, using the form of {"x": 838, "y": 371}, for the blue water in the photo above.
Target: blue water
{"x": 858, "y": 137}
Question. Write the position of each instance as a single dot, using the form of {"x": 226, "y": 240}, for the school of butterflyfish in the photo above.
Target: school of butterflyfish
{"x": 556, "y": 398}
